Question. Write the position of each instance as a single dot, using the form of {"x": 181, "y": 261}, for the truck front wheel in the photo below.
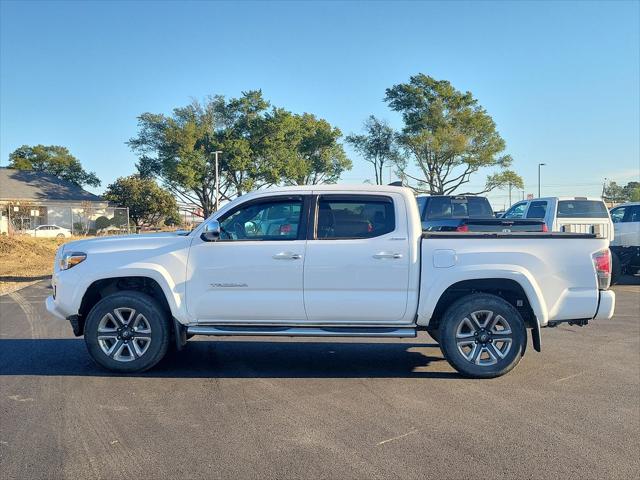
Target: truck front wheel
{"x": 482, "y": 336}
{"x": 127, "y": 332}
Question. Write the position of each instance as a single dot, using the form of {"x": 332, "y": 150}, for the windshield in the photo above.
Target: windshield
{"x": 581, "y": 209}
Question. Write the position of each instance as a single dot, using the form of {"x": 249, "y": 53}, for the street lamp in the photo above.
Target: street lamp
{"x": 539, "y": 165}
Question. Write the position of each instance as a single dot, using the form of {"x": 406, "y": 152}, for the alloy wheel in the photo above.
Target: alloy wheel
{"x": 124, "y": 334}
{"x": 484, "y": 338}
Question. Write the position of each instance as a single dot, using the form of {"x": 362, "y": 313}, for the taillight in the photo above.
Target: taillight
{"x": 544, "y": 227}
{"x": 602, "y": 263}
{"x": 462, "y": 228}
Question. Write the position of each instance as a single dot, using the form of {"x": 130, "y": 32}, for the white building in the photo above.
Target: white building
{"x": 30, "y": 198}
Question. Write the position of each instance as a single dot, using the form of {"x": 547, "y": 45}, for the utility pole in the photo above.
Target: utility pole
{"x": 510, "y": 193}
{"x": 217, "y": 152}
{"x": 539, "y": 165}
{"x": 604, "y": 186}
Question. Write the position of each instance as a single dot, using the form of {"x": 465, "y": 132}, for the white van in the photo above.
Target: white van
{"x": 567, "y": 214}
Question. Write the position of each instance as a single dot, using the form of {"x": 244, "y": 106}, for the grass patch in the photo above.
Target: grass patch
{"x": 24, "y": 260}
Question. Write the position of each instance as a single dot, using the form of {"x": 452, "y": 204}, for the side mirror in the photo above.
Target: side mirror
{"x": 211, "y": 231}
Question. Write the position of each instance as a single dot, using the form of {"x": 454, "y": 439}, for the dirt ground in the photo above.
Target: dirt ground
{"x": 24, "y": 260}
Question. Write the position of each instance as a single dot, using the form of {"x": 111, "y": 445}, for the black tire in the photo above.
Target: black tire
{"x": 483, "y": 352}
{"x": 137, "y": 307}
{"x": 60, "y": 235}
{"x": 616, "y": 269}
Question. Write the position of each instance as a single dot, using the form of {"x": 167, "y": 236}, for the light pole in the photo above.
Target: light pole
{"x": 539, "y": 165}
{"x": 217, "y": 152}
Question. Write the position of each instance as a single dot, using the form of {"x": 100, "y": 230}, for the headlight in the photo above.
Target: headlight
{"x": 71, "y": 259}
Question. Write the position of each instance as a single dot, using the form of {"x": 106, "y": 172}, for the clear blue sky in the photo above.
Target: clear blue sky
{"x": 561, "y": 80}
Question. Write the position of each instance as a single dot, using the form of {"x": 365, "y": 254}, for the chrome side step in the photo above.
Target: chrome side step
{"x": 223, "y": 330}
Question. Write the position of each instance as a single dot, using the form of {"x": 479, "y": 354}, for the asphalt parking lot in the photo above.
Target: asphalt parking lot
{"x": 245, "y": 408}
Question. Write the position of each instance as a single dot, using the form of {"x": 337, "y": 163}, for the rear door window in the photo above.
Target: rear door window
{"x": 581, "y": 209}
{"x": 537, "y": 210}
{"x": 633, "y": 214}
{"x": 354, "y": 216}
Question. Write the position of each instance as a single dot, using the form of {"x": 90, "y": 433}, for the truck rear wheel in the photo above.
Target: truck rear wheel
{"x": 482, "y": 336}
{"x": 127, "y": 332}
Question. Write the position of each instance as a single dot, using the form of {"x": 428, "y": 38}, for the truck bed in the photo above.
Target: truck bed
{"x": 561, "y": 277}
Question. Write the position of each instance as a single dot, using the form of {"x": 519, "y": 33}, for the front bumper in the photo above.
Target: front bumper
{"x": 53, "y": 309}
{"x": 606, "y": 306}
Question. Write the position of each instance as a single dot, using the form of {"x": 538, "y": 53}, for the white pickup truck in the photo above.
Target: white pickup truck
{"x": 329, "y": 261}
{"x": 566, "y": 214}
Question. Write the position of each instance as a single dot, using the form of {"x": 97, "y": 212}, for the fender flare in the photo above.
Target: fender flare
{"x": 490, "y": 272}
{"x": 154, "y": 272}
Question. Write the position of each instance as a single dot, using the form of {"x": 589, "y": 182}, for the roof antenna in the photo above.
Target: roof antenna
{"x": 396, "y": 184}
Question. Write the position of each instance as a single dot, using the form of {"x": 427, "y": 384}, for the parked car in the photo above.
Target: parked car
{"x": 566, "y": 214}
{"x": 468, "y": 213}
{"x": 625, "y": 247}
{"x": 353, "y": 263}
{"x": 50, "y": 231}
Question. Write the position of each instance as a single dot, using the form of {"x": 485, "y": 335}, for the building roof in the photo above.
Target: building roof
{"x": 40, "y": 186}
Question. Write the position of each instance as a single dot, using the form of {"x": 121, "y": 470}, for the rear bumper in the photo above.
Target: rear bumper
{"x": 606, "y": 306}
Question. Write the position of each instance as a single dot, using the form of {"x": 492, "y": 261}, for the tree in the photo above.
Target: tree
{"x": 619, "y": 194}
{"x": 632, "y": 190}
{"x": 377, "y": 146}
{"x": 147, "y": 202}
{"x": 180, "y": 149}
{"x": 449, "y": 136}
{"x": 301, "y": 149}
{"x": 103, "y": 222}
{"x": 52, "y": 159}
{"x": 614, "y": 192}
{"x": 260, "y": 147}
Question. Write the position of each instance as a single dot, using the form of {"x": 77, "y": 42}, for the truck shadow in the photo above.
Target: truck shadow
{"x": 234, "y": 359}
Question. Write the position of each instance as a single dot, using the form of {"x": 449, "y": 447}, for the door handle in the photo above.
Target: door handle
{"x": 387, "y": 255}
{"x": 287, "y": 256}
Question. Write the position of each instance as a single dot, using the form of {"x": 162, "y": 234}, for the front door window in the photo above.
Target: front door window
{"x": 270, "y": 220}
